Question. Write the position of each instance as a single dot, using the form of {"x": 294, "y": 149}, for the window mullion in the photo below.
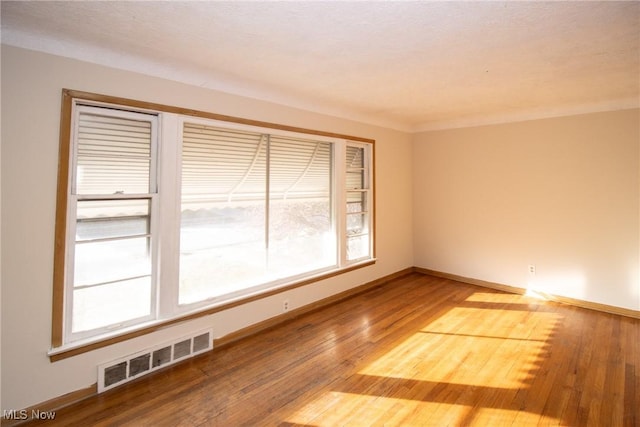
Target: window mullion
{"x": 154, "y": 215}
{"x": 168, "y": 215}
{"x": 341, "y": 202}
{"x": 267, "y": 197}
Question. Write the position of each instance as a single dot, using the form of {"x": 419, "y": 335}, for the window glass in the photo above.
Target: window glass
{"x": 268, "y": 219}
{"x": 110, "y": 260}
{"x": 111, "y": 303}
{"x": 300, "y": 208}
{"x": 356, "y": 202}
{"x": 222, "y": 229}
{"x": 357, "y": 199}
{"x": 113, "y": 155}
{"x": 357, "y": 246}
{"x": 99, "y": 219}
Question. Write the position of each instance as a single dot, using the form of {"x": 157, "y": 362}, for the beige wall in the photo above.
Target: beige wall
{"x": 560, "y": 193}
{"x": 31, "y": 89}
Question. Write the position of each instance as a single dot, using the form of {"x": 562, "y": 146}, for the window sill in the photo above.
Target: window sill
{"x": 84, "y": 346}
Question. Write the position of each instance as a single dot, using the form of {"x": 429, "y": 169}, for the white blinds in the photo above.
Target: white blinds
{"x": 299, "y": 168}
{"x": 355, "y": 168}
{"x": 222, "y": 164}
{"x": 113, "y": 155}
{"x": 228, "y": 165}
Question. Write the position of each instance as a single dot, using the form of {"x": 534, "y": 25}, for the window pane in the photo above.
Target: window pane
{"x": 299, "y": 168}
{"x": 225, "y": 247}
{"x": 357, "y": 247}
{"x": 355, "y": 180}
{"x": 107, "y": 261}
{"x": 100, "y": 175}
{"x": 355, "y": 157}
{"x": 112, "y": 303}
{"x": 222, "y": 231}
{"x": 222, "y": 249}
{"x": 99, "y": 219}
{"x": 357, "y": 215}
{"x": 356, "y": 224}
{"x": 300, "y": 217}
{"x": 356, "y": 202}
{"x": 113, "y": 155}
{"x": 220, "y": 165}
{"x": 300, "y": 237}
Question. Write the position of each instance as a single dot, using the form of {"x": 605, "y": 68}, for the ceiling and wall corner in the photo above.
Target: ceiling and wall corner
{"x": 410, "y": 66}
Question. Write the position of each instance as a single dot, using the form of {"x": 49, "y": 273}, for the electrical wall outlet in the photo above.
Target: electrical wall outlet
{"x": 532, "y": 269}
{"x": 285, "y": 305}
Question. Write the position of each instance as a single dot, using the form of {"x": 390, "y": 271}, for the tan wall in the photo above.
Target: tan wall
{"x": 560, "y": 193}
{"x": 31, "y": 89}
{"x": 482, "y": 202}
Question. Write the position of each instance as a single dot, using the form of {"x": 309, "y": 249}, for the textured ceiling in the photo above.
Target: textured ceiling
{"x": 408, "y": 65}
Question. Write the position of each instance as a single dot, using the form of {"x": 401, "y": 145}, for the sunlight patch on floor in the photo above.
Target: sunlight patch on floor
{"x": 348, "y": 409}
{"x": 505, "y": 417}
{"x": 450, "y": 351}
{"x": 452, "y": 371}
{"x": 495, "y": 297}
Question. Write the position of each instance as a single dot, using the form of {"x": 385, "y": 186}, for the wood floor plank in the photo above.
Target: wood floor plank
{"x": 419, "y": 350}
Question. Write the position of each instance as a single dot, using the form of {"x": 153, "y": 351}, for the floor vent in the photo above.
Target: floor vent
{"x": 125, "y": 369}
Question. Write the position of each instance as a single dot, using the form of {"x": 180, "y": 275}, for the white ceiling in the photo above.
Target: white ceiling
{"x": 408, "y": 65}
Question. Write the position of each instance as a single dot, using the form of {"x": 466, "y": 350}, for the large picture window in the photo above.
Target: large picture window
{"x": 163, "y": 214}
{"x": 255, "y": 208}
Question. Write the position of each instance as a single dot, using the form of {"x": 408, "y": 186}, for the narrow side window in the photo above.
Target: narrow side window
{"x": 358, "y": 188}
{"x": 110, "y": 246}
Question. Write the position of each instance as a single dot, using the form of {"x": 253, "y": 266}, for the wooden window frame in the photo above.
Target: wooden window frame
{"x": 61, "y": 350}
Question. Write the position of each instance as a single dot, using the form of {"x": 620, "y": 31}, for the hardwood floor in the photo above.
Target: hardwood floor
{"x": 417, "y": 351}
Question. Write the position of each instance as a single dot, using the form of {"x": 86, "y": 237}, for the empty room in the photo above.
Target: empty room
{"x": 320, "y": 213}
